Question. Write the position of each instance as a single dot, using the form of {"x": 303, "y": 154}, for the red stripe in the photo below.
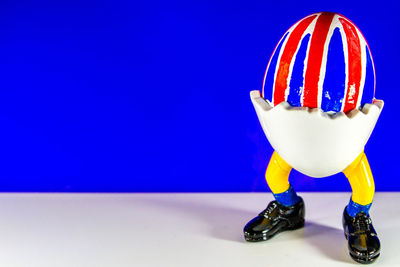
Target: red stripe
{"x": 315, "y": 59}
{"x": 354, "y": 65}
{"x": 286, "y": 58}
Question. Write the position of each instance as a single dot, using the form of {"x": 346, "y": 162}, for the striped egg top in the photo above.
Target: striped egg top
{"x": 323, "y": 61}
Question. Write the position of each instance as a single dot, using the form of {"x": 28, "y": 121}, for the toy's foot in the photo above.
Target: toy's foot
{"x": 364, "y": 245}
{"x": 274, "y": 219}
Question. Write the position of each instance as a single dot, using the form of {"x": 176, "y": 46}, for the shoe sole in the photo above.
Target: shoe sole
{"x": 363, "y": 259}
{"x": 265, "y": 237}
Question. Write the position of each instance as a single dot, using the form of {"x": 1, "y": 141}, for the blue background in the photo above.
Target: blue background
{"x": 153, "y": 96}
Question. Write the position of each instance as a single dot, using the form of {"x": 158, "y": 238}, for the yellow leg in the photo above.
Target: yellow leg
{"x": 361, "y": 180}
{"x": 277, "y": 174}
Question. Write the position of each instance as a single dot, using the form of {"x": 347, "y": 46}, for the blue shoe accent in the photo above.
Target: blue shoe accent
{"x": 287, "y": 198}
{"x": 353, "y": 208}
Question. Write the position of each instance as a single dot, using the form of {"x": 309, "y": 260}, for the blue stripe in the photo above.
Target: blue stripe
{"x": 369, "y": 90}
{"x": 335, "y": 75}
{"x": 269, "y": 80}
{"x": 297, "y": 79}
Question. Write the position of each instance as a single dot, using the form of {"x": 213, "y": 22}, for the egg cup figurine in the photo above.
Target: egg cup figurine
{"x": 318, "y": 110}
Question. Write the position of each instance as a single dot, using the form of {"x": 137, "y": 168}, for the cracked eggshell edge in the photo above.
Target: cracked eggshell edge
{"x": 314, "y": 142}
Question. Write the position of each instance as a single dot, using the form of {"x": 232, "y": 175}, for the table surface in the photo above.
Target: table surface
{"x": 179, "y": 230}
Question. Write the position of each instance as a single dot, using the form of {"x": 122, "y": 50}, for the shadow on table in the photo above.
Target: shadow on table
{"x": 328, "y": 240}
{"x": 220, "y": 221}
{"x": 227, "y": 223}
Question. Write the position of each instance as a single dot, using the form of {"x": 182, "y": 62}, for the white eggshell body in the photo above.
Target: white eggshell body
{"x": 313, "y": 142}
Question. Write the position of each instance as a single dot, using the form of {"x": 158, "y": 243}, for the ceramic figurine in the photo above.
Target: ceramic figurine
{"x": 317, "y": 109}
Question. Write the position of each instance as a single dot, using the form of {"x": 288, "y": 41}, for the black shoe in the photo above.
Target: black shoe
{"x": 364, "y": 245}
{"x": 274, "y": 219}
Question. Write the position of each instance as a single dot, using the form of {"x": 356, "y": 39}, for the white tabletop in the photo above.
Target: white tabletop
{"x": 179, "y": 230}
